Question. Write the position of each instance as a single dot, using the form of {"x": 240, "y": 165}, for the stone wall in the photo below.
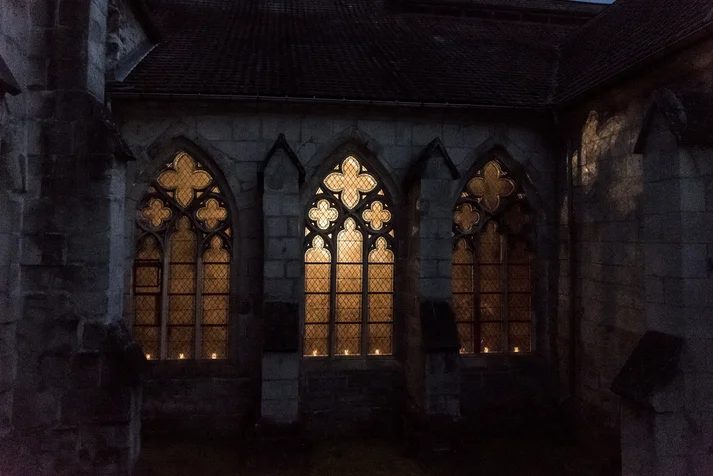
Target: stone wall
{"x": 608, "y": 290}
{"x": 73, "y": 400}
{"x": 505, "y": 393}
{"x": 14, "y": 30}
{"x": 609, "y": 266}
{"x": 236, "y": 137}
{"x": 351, "y": 398}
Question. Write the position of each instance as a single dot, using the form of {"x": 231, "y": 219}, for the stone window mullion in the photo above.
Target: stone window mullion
{"x": 164, "y": 298}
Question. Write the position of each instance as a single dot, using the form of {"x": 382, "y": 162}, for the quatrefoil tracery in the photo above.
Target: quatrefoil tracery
{"x": 376, "y": 216}
{"x": 184, "y": 178}
{"x": 491, "y": 186}
{"x": 323, "y": 214}
{"x": 350, "y": 182}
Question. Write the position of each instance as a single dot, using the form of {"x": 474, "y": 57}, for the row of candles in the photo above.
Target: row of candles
{"x": 315, "y": 352}
{"x": 486, "y": 350}
{"x": 182, "y": 356}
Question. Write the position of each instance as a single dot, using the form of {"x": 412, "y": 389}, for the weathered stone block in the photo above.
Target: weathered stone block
{"x": 281, "y": 332}
{"x": 282, "y": 248}
{"x": 280, "y": 389}
{"x": 247, "y": 128}
{"x": 280, "y": 289}
{"x": 280, "y": 411}
{"x": 276, "y": 226}
{"x": 382, "y": 131}
{"x": 274, "y": 269}
{"x": 277, "y": 366}
{"x": 214, "y": 127}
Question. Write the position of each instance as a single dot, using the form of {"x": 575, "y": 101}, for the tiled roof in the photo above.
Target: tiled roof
{"x": 360, "y": 50}
{"x": 351, "y": 49}
{"x": 626, "y": 33}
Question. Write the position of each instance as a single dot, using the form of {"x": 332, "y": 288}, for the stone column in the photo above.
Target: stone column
{"x": 76, "y": 398}
{"x": 281, "y": 174}
{"x": 430, "y": 183}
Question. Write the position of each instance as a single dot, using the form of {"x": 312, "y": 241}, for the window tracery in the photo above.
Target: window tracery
{"x": 182, "y": 267}
{"x": 492, "y": 264}
{"x": 349, "y": 265}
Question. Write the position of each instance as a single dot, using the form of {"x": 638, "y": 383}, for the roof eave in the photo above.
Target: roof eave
{"x": 690, "y": 40}
{"x": 321, "y": 100}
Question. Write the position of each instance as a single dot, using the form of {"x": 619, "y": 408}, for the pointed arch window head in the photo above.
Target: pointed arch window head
{"x": 492, "y": 264}
{"x": 182, "y": 267}
{"x": 349, "y": 265}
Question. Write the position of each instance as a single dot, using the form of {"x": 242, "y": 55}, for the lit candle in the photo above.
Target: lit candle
{"x": 516, "y": 349}
{"x": 181, "y": 356}
{"x": 213, "y": 356}
{"x": 346, "y": 351}
{"x": 314, "y": 352}
{"x": 148, "y": 356}
{"x": 486, "y": 350}
{"x": 376, "y": 351}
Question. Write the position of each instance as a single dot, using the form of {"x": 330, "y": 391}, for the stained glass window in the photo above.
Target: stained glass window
{"x": 182, "y": 267}
{"x": 349, "y": 265}
{"x": 492, "y": 296}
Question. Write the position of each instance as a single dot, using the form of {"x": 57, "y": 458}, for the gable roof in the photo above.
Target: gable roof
{"x": 627, "y": 34}
{"x": 345, "y": 49}
{"x": 493, "y": 54}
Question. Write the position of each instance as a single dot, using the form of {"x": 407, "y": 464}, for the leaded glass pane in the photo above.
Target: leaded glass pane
{"x": 182, "y": 211}
{"x": 316, "y": 340}
{"x": 463, "y": 306}
{"x": 148, "y": 339}
{"x": 348, "y": 339}
{"x": 490, "y": 307}
{"x": 465, "y": 336}
{"x": 215, "y": 342}
{"x": 181, "y": 342}
{"x": 491, "y": 337}
{"x": 348, "y": 308}
{"x": 317, "y": 308}
{"x": 380, "y": 339}
{"x": 519, "y": 337}
{"x": 489, "y": 251}
{"x": 317, "y": 278}
{"x": 347, "y": 195}
{"x": 491, "y": 293}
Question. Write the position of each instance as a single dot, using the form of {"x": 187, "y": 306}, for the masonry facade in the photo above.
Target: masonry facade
{"x": 178, "y": 258}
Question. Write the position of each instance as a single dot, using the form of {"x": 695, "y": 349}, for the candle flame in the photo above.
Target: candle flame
{"x": 148, "y": 356}
{"x": 346, "y": 351}
{"x": 314, "y": 352}
{"x": 486, "y": 350}
{"x": 181, "y": 356}
{"x": 376, "y": 351}
{"x": 516, "y": 349}
{"x": 213, "y": 356}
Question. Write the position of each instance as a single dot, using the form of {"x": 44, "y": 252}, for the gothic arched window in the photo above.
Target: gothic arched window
{"x": 491, "y": 264}
{"x": 349, "y": 265}
{"x": 181, "y": 280}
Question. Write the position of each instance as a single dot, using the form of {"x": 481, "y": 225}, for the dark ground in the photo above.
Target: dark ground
{"x": 530, "y": 454}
